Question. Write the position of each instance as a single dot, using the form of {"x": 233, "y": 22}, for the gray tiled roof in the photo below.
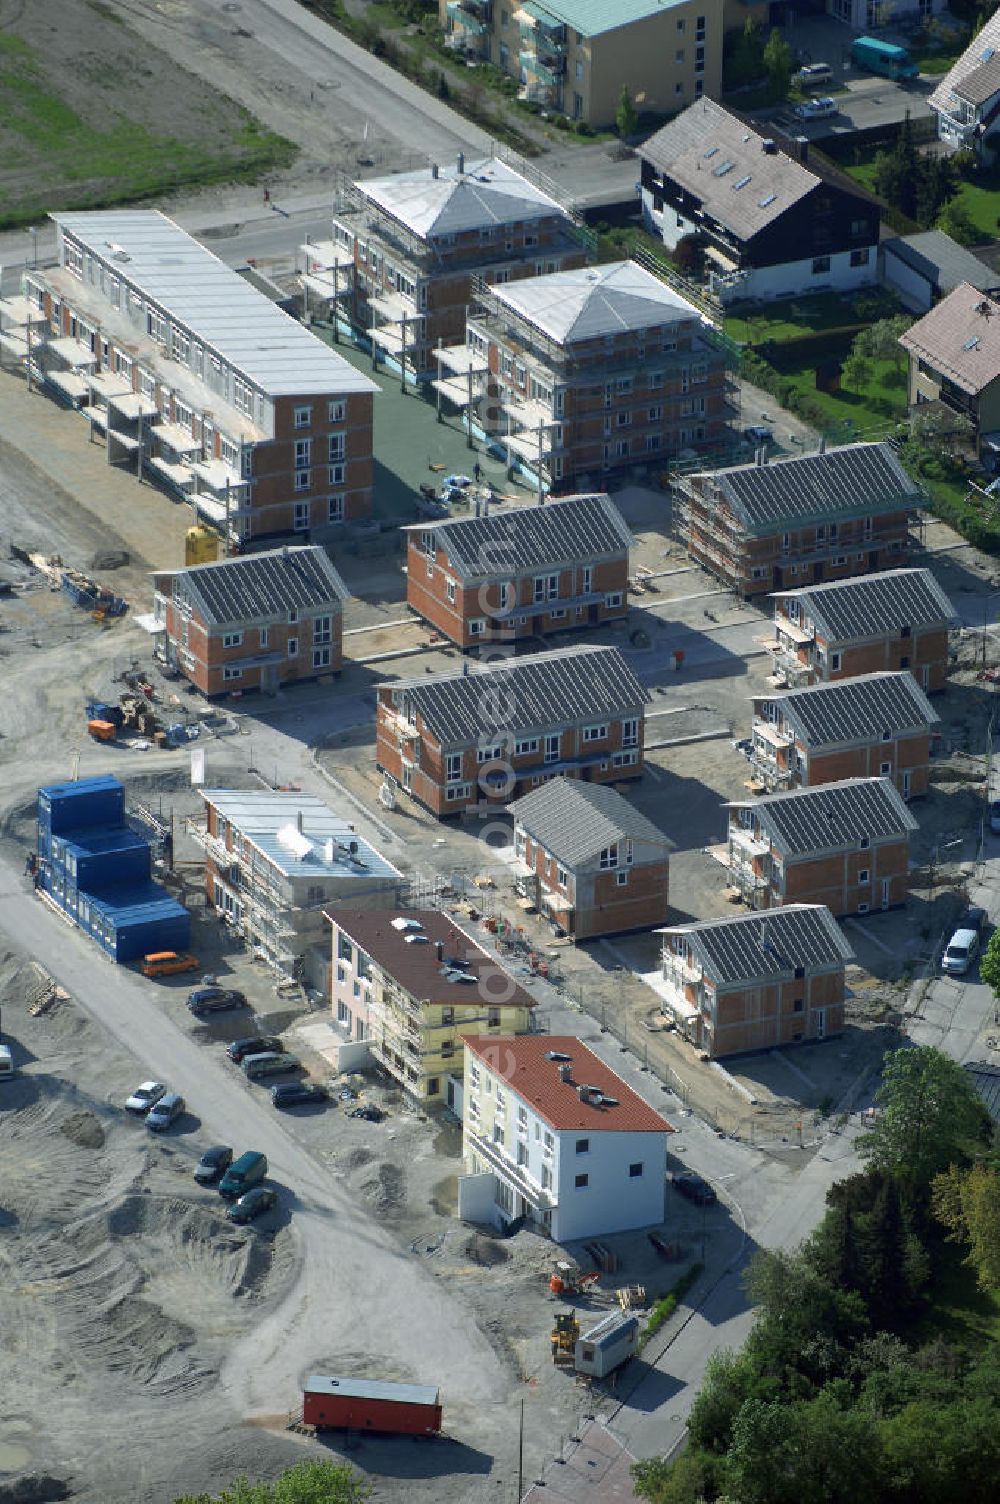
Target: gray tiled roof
{"x": 525, "y": 694}
{"x": 856, "y": 480}
{"x": 874, "y": 604}
{"x": 959, "y": 338}
{"x": 592, "y": 302}
{"x": 854, "y": 710}
{"x": 833, "y": 816}
{"x": 942, "y": 261}
{"x": 574, "y": 820}
{"x": 745, "y": 196}
{"x": 774, "y": 943}
{"x": 567, "y": 531}
{"x": 982, "y": 49}
{"x": 265, "y": 585}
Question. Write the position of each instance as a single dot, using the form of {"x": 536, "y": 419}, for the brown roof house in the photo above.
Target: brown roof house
{"x": 589, "y": 859}
{"x": 954, "y": 354}
{"x": 846, "y": 845}
{"x": 898, "y": 619}
{"x": 756, "y": 981}
{"x": 875, "y": 726}
{"x": 967, "y": 99}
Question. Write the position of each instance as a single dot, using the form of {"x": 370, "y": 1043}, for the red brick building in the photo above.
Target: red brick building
{"x": 521, "y": 571}
{"x": 586, "y": 372}
{"x": 408, "y": 246}
{"x": 767, "y": 526}
{"x": 756, "y": 981}
{"x": 191, "y": 377}
{"x": 875, "y": 726}
{"x": 477, "y": 737}
{"x": 899, "y": 619}
{"x": 258, "y": 622}
{"x": 845, "y": 845}
{"x": 589, "y": 860}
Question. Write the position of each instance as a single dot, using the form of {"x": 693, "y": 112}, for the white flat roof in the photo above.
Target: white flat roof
{"x": 267, "y": 346}
{"x": 486, "y": 192}
{"x": 594, "y": 301}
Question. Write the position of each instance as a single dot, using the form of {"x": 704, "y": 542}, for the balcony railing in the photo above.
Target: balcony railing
{"x": 513, "y": 1175}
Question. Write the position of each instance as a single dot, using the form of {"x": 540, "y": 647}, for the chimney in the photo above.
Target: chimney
{"x": 461, "y": 163}
{"x": 440, "y": 950}
{"x": 566, "y": 1072}
{"x": 802, "y": 149}
{"x": 298, "y": 821}
{"x": 434, "y": 169}
{"x": 758, "y": 456}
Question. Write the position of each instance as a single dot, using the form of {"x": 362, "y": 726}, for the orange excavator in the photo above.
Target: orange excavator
{"x": 567, "y": 1279}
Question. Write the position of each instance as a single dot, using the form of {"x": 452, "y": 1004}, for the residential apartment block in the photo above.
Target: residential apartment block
{"x": 196, "y": 379}
{"x": 273, "y": 860}
{"x": 773, "y": 225}
{"x": 520, "y": 571}
{"x": 954, "y": 358}
{"x": 574, "y": 56}
{"x": 763, "y": 527}
{"x": 967, "y": 99}
{"x": 257, "y": 622}
{"x": 481, "y": 736}
{"x": 408, "y": 987}
{"x": 756, "y": 981}
{"x": 899, "y": 619}
{"x": 589, "y": 860}
{"x": 874, "y": 726}
{"x": 845, "y": 845}
{"x": 600, "y": 369}
{"x": 409, "y": 245}
{"x": 551, "y": 1134}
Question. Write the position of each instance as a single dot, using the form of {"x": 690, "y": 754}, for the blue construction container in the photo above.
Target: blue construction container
{"x": 86, "y": 804}
{"x": 133, "y": 922}
{"x": 103, "y": 859}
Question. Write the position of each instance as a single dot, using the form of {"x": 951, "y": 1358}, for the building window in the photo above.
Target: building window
{"x": 885, "y": 769}
{"x": 303, "y": 417}
{"x": 322, "y": 628}
{"x": 562, "y": 876}
{"x": 433, "y": 1086}
{"x": 321, "y": 657}
{"x": 595, "y": 733}
{"x": 860, "y": 258}
{"x": 493, "y": 1018}
{"x": 820, "y": 266}
{"x": 335, "y": 475}
{"x": 583, "y": 1146}
{"x": 581, "y": 1182}
{"x": 477, "y": 626}
{"x": 474, "y": 1076}
{"x": 835, "y": 662}
{"x": 232, "y": 640}
{"x": 302, "y": 480}
{"x": 635, "y": 1171}
{"x": 263, "y": 637}
{"x": 621, "y": 879}
{"x": 449, "y": 590}
{"x": 229, "y": 673}
{"x": 300, "y": 517}
{"x": 337, "y": 412}
{"x": 336, "y": 447}
{"x": 614, "y": 599}
{"x": 609, "y": 858}
{"x": 552, "y": 747}
{"x": 335, "y": 508}
{"x": 456, "y": 791}
{"x": 453, "y": 767}
{"x": 630, "y": 732}
{"x": 864, "y": 876}
{"x": 489, "y": 754}
{"x": 547, "y": 587}
{"x": 526, "y": 746}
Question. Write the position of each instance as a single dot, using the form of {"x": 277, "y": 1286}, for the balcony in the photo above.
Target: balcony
{"x": 405, "y": 730}
{"x": 514, "y": 1176}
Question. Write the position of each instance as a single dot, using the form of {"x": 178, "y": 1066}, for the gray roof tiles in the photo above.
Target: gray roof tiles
{"x": 832, "y": 817}
{"x": 575, "y": 821}
{"x": 874, "y": 604}
{"x": 264, "y": 585}
{"x": 775, "y": 943}
{"x": 942, "y": 261}
{"x": 567, "y": 531}
{"x": 526, "y": 694}
{"x": 594, "y": 302}
{"x": 858, "y": 479}
{"x": 982, "y": 49}
{"x": 856, "y": 710}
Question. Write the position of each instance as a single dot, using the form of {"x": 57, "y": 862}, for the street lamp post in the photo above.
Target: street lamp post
{"x": 33, "y": 232}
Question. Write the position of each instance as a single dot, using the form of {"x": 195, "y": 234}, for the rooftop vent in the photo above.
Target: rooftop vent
{"x": 970, "y": 344}
{"x": 769, "y": 146}
{"x": 723, "y": 168}
{"x": 566, "y": 1073}
{"x": 741, "y": 184}
{"x": 711, "y": 152}
{"x": 401, "y": 922}
{"x": 984, "y": 308}
{"x": 592, "y": 1095}
{"x": 767, "y": 200}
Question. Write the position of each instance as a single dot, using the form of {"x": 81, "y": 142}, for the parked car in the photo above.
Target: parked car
{"x": 257, "y": 1044}
{"x": 758, "y": 433}
{"x": 164, "y": 1113}
{"x": 995, "y": 817}
{"x": 297, "y": 1093}
{"x": 242, "y": 1174}
{"x": 960, "y": 952}
{"x": 215, "y": 999}
{"x": 253, "y": 1204}
{"x": 270, "y": 1063}
{"x": 145, "y": 1096}
{"x": 165, "y": 963}
{"x": 694, "y": 1188}
{"x": 814, "y": 75}
{"x": 817, "y": 109}
{"x": 213, "y": 1163}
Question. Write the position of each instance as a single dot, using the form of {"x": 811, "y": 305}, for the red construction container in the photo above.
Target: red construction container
{"x": 371, "y": 1405}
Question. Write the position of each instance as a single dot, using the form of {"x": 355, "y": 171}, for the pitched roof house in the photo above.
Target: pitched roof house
{"x": 590, "y": 859}
{"x": 954, "y": 355}
{"x": 254, "y": 622}
{"x": 775, "y": 226}
{"x": 967, "y": 99}
{"x": 520, "y": 571}
{"x": 758, "y": 980}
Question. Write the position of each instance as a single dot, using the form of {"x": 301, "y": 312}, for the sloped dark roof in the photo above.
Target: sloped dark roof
{"x": 944, "y": 262}
{"x": 575, "y": 820}
{"x": 857, "y": 710}
{"x": 566, "y": 531}
{"x": 527, "y": 694}
{"x": 265, "y": 585}
{"x": 833, "y": 816}
{"x": 771, "y": 944}
{"x": 874, "y": 604}
{"x": 856, "y": 480}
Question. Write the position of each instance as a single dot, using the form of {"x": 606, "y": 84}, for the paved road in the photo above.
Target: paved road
{"x": 348, "y": 1265}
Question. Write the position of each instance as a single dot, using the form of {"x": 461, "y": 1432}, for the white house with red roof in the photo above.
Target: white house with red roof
{"x": 552, "y": 1135}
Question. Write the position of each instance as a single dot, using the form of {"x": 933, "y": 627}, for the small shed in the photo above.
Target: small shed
{"x": 607, "y": 1345}
{"x": 371, "y": 1405}
{"x": 923, "y": 268}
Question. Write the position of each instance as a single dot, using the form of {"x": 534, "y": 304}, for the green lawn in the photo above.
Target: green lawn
{"x": 960, "y": 1312}
{"x": 850, "y": 412}
{"x": 934, "y": 61}
{"x": 792, "y": 317}
{"x": 980, "y": 198}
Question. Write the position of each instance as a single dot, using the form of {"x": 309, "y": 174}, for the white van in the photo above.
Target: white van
{"x": 6, "y": 1062}
{"x": 814, "y": 75}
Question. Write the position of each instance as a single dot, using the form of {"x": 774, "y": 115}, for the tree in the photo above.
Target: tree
{"x": 989, "y": 965}
{"x": 967, "y": 1202}
{"x": 928, "y": 1116}
{"x": 778, "y": 63}
{"x": 857, "y": 371}
{"x": 626, "y": 116}
{"x": 809, "y": 1450}
{"x": 319, "y": 1482}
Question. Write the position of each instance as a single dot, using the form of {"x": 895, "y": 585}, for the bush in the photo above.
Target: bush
{"x": 665, "y": 1308}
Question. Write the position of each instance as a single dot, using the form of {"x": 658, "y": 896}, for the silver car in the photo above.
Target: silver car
{"x": 960, "y": 952}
